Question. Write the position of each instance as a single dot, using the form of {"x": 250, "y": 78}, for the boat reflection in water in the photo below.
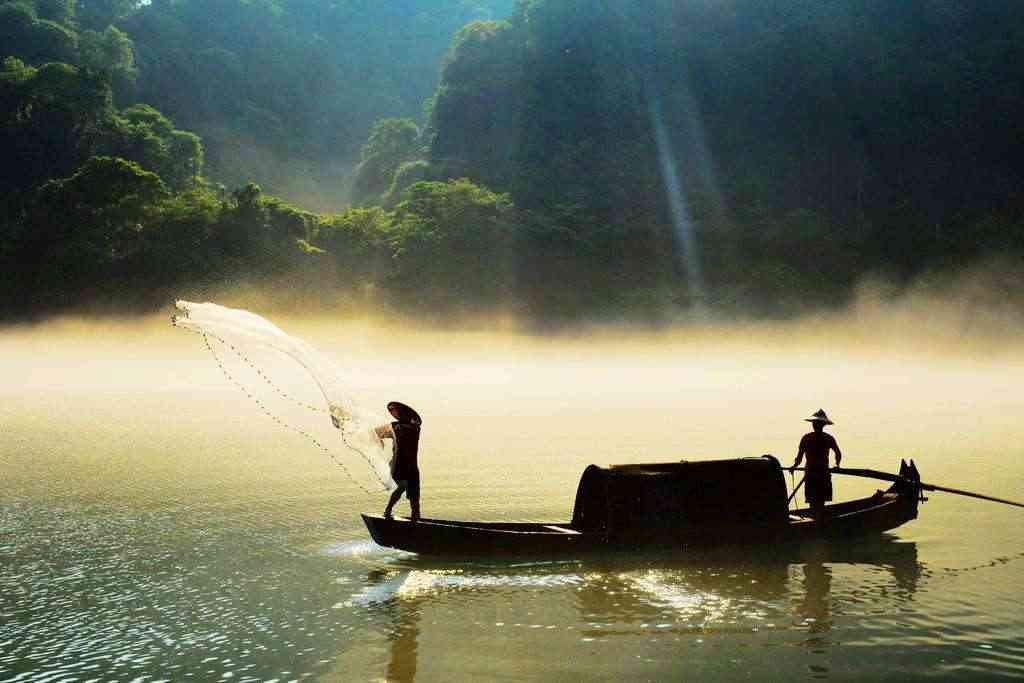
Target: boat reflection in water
{"x": 762, "y": 595}
{"x": 729, "y": 592}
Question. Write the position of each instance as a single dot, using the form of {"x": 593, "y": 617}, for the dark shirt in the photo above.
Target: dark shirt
{"x": 405, "y": 449}
{"x": 816, "y": 445}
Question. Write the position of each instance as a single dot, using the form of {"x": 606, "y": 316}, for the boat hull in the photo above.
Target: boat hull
{"x": 873, "y": 515}
{"x": 449, "y": 537}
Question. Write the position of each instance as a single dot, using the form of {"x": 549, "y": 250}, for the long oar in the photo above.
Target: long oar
{"x": 886, "y": 476}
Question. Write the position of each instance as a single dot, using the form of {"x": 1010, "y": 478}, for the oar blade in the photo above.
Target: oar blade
{"x": 971, "y": 494}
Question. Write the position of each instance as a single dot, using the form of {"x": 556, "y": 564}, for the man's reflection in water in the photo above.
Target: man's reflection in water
{"x": 814, "y": 608}
{"x": 817, "y": 603}
{"x": 404, "y": 626}
{"x": 404, "y": 635}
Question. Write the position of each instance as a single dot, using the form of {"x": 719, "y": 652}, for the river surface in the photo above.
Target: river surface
{"x": 155, "y": 525}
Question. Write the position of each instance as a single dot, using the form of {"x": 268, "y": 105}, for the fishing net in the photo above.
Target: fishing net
{"x": 244, "y": 336}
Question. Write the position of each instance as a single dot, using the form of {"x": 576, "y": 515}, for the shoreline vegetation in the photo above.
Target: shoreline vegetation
{"x": 554, "y": 164}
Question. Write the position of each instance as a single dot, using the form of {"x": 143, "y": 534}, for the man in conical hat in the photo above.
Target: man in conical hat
{"x": 405, "y": 435}
{"x": 816, "y": 446}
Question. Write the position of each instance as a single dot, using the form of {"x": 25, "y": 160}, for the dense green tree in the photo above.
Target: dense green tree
{"x": 576, "y": 159}
{"x": 51, "y": 120}
{"x": 59, "y": 11}
{"x": 143, "y": 134}
{"x": 175, "y": 248}
{"x": 285, "y": 92}
{"x": 391, "y": 143}
{"x": 406, "y": 174}
{"x": 792, "y": 147}
{"x": 357, "y": 242}
{"x": 85, "y": 226}
{"x": 99, "y": 14}
{"x": 41, "y": 31}
{"x": 476, "y": 102}
{"x": 110, "y": 50}
{"x": 454, "y": 247}
{"x": 32, "y": 39}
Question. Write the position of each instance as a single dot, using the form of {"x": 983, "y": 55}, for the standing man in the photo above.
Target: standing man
{"x": 816, "y": 445}
{"x": 405, "y": 435}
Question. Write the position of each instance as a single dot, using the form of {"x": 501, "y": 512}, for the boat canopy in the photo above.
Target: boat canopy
{"x": 743, "y": 491}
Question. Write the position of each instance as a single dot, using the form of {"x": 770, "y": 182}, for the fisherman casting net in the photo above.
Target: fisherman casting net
{"x": 238, "y": 339}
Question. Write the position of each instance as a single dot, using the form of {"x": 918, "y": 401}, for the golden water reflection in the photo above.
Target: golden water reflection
{"x": 175, "y": 468}
{"x": 731, "y": 594}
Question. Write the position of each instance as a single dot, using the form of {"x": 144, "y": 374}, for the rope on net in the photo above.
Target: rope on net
{"x": 266, "y": 411}
{"x": 284, "y": 395}
{"x": 340, "y": 414}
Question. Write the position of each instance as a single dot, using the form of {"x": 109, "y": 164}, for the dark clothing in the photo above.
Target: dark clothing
{"x": 405, "y": 448}
{"x": 817, "y": 486}
{"x": 818, "y": 482}
{"x": 815, "y": 446}
{"x": 411, "y": 486}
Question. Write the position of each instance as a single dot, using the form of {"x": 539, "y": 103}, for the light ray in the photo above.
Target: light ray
{"x": 685, "y": 232}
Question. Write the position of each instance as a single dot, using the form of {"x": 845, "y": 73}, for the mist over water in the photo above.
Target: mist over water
{"x": 155, "y": 522}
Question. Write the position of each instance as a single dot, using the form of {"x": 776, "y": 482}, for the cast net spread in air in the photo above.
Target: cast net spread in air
{"x": 244, "y": 337}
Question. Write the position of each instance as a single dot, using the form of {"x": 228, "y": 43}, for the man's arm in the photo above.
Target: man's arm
{"x": 383, "y": 432}
{"x": 839, "y": 453}
{"x": 799, "y": 456}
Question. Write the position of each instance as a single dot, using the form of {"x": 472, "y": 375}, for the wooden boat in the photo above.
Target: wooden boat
{"x": 666, "y": 506}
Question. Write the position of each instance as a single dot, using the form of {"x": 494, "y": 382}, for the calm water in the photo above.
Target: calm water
{"x": 155, "y": 526}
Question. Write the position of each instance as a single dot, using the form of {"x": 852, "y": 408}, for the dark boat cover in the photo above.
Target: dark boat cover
{"x": 715, "y": 493}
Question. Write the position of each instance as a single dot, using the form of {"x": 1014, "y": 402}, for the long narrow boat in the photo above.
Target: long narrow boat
{"x": 666, "y": 506}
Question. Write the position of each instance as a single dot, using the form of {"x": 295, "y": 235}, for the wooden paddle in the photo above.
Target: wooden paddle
{"x": 875, "y": 474}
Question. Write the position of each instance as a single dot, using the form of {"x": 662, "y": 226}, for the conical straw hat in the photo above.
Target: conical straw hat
{"x": 407, "y": 413}
{"x": 820, "y": 416}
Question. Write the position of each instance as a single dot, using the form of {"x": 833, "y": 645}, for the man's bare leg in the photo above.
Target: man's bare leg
{"x": 395, "y": 497}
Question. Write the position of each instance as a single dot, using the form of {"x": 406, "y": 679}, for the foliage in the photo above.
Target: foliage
{"x": 406, "y": 174}
{"x": 454, "y": 247}
{"x": 42, "y": 31}
{"x": 391, "y": 143}
{"x": 112, "y": 51}
{"x": 476, "y": 102}
{"x": 97, "y": 15}
{"x": 356, "y": 240}
{"x": 59, "y": 11}
{"x": 811, "y": 143}
{"x": 145, "y": 135}
{"x": 51, "y": 120}
{"x": 84, "y": 225}
{"x": 577, "y": 158}
{"x": 292, "y": 80}
{"x": 33, "y": 39}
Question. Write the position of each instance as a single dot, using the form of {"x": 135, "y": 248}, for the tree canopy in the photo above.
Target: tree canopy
{"x": 553, "y": 159}
{"x": 808, "y": 144}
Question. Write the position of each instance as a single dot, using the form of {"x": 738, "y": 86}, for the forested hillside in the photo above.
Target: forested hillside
{"x": 810, "y": 143}
{"x": 554, "y": 160}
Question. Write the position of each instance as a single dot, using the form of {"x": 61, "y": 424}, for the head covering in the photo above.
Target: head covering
{"x": 405, "y": 413}
{"x": 819, "y": 416}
